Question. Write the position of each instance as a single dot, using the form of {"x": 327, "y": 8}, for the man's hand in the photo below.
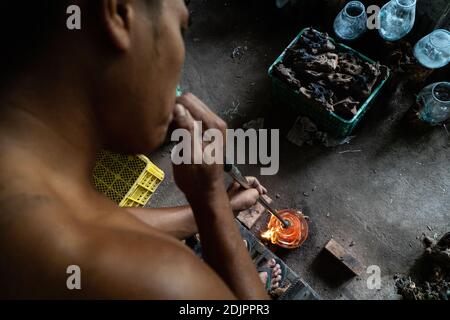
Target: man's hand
{"x": 241, "y": 199}
{"x": 197, "y": 180}
{"x": 203, "y": 185}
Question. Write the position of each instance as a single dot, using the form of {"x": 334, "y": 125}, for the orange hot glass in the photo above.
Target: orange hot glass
{"x": 291, "y": 237}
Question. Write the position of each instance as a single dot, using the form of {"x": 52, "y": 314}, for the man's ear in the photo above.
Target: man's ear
{"x": 118, "y": 16}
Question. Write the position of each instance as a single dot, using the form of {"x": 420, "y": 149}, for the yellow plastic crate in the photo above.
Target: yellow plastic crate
{"x": 130, "y": 181}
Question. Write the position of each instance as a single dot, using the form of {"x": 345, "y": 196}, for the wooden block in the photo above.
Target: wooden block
{"x": 345, "y": 257}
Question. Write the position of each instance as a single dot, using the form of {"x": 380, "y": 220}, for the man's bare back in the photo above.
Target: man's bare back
{"x": 48, "y": 223}
{"x": 120, "y": 257}
{"x": 62, "y": 104}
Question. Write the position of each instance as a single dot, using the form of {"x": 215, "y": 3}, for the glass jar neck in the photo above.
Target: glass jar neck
{"x": 438, "y": 43}
{"x": 354, "y": 7}
{"x": 441, "y": 92}
{"x": 405, "y": 5}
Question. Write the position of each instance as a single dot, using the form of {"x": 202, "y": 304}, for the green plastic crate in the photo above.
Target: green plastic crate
{"x": 325, "y": 119}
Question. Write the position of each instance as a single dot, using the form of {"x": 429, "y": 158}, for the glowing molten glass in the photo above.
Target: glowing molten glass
{"x": 291, "y": 237}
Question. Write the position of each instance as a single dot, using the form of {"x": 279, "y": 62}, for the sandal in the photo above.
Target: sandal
{"x": 268, "y": 270}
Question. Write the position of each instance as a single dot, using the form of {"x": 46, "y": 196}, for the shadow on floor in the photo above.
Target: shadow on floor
{"x": 331, "y": 270}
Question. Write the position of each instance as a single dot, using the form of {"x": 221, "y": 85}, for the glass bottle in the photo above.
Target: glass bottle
{"x": 281, "y": 3}
{"x": 433, "y": 51}
{"x": 397, "y": 19}
{"x": 351, "y": 22}
{"x": 434, "y": 101}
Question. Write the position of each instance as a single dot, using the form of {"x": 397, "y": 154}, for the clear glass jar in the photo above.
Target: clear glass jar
{"x": 281, "y": 3}
{"x": 434, "y": 101}
{"x": 351, "y": 22}
{"x": 397, "y": 19}
{"x": 433, "y": 51}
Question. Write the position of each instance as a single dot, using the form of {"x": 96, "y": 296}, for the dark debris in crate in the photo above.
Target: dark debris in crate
{"x": 335, "y": 79}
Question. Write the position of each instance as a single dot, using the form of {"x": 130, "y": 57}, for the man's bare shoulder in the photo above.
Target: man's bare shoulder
{"x": 147, "y": 266}
{"x": 116, "y": 260}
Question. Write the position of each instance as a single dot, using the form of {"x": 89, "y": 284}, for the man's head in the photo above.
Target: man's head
{"x": 128, "y": 56}
{"x": 146, "y": 53}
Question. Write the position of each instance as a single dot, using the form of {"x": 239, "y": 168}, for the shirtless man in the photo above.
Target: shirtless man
{"x": 64, "y": 95}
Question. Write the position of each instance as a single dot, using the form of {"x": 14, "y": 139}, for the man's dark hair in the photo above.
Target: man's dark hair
{"x": 28, "y": 26}
{"x": 25, "y": 27}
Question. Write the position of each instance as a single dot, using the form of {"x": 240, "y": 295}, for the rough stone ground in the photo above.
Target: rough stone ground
{"x": 376, "y": 202}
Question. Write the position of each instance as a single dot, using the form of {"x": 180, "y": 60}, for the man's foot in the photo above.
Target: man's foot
{"x": 276, "y": 275}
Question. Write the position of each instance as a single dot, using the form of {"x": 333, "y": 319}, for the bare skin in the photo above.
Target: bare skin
{"x": 56, "y": 116}
{"x": 180, "y": 221}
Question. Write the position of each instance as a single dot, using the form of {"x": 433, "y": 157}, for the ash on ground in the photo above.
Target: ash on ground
{"x": 433, "y": 279}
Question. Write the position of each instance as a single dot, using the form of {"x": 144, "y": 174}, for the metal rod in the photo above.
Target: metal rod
{"x": 234, "y": 173}
{"x": 266, "y": 205}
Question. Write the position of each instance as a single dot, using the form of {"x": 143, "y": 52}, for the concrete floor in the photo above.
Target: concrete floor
{"x": 382, "y": 198}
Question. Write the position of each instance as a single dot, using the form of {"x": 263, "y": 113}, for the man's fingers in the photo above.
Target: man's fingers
{"x": 252, "y": 195}
{"x": 254, "y": 183}
{"x": 245, "y": 200}
{"x": 183, "y": 118}
{"x": 234, "y": 188}
{"x": 201, "y": 112}
{"x": 192, "y": 101}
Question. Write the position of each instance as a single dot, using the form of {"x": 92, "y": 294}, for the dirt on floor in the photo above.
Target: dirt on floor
{"x": 431, "y": 278}
{"x": 375, "y": 194}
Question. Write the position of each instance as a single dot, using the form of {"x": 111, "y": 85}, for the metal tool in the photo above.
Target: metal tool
{"x": 234, "y": 173}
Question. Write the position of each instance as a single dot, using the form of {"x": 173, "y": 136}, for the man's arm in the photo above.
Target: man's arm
{"x": 179, "y": 222}
{"x": 223, "y": 248}
{"x": 222, "y": 245}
